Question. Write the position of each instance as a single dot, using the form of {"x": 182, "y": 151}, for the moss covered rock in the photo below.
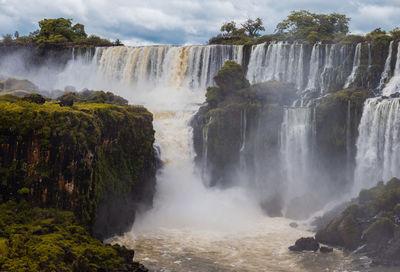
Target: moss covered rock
{"x": 371, "y": 224}
{"x": 96, "y": 160}
{"x": 53, "y": 240}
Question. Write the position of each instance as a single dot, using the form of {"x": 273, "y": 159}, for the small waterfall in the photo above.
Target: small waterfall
{"x": 369, "y": 57}
{"x": 204, "y": 170}
{"x": 243, "y": 128}
{"x": 296, "y": 150}
{"x": 394, "y": 83}
{"x": 386, "y": 70}
{"x": 378, "y": 144}
{"x": 73, "y": 53}
{"x": 314, "y": 68}
{"x": 300, "y": 68}
{"x": 356, "y": 64}
{"x": 348, "y": 140}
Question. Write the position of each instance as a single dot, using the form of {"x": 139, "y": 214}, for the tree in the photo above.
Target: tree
{"x": 395, "y": 33}
{"x": 59, "y": 30}
{"x": 252, "y": 27}
{"x": 7, "y": 39}
{"x": 16, "y": 35}
{"x": 229, "y": 27}
{"x": 302, "y": 24}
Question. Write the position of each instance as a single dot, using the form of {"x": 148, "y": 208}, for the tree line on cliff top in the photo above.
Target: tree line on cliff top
{"x": 298, "y": 26}
{"x": 57, "y": 31}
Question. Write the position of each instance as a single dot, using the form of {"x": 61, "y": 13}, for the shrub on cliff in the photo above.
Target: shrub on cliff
{"x": 52, "y": 240}
{"x": 231, "y": 77}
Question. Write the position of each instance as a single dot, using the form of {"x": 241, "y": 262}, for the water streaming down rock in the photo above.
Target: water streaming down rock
{"x": 356, "y": 64}
{"x": 386, "y": 70}
{"x": 394, "y": 83}
{"x": 348, "y": 141}
{"x": 293, "y": 63}
{"x": 378, "y": 144}
{"x": 296, "y": 152}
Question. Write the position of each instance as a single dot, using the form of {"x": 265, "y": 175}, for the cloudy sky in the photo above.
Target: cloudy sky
{"x": 185, "y": 21}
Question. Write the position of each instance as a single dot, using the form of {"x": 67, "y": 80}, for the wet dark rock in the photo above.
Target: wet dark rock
{"x": 384, "y": 97}
{"x": 325, "y": 249}
{"x": 305, "y": 244}
{"x": 395, "y": 95}
{"x": 369, "y": 225}
{"x": 293, "y": 225}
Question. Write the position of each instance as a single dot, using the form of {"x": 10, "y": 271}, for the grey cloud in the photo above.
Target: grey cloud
{"x": 180, "y": 21}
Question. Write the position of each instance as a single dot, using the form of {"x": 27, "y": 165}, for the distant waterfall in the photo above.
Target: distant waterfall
{"x": 386, "y": 70}
{"x": 394, "y": 83}
{"x": 291, "y": 63}
{"x": 175, "y": 66}
{"x": 356, "y": 64}
{"x": 378, "y": 144}
{"x": 296, "y": 151}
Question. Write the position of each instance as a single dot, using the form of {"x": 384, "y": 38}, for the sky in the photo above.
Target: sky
{"x": 185, "y": 21}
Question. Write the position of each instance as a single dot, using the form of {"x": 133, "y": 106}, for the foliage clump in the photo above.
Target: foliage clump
{"x": 34, "y": 239}
{"x": 89, "y": 96}
{"x": 57, "y": 32}
{"x": 372, "y": 221}
{"x": 304, "y": 25}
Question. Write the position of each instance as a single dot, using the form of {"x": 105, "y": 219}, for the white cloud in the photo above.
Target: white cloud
{"x": 184, "y": 21}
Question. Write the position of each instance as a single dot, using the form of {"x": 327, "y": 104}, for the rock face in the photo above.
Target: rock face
{"x": 305, "y": 244}
{"x": 96, "y": 160}
{"x": 238, "y": 129}
{"x": 371, "y": 224}
{"x": 35, "y": 239}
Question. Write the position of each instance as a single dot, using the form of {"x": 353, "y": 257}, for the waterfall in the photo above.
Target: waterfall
{"x": 243, "y": 128}
{"x": 174, "y": 66}
{"x": 394, "y": 83}
{"x": 378, "y": 144}
{"x": 296, "y": 134}
{"x": 369, "y": 57}
{"x": 386, "y": 70}
{"x": 276, "y": 61}
{"x": 348, "y": 139}
{"x": 356, "y": 64}
{"x": 314, "y": 68}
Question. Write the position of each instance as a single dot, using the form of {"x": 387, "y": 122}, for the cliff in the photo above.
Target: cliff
{"x": 370, "y": 224}
{"x": 96, "y": 160}
{"x": 252, "y": 135}
{"x": 238, "y": 129}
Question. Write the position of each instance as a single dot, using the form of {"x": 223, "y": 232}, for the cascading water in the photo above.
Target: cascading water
{"x": 356, "y": 64}
{"x": 296, "y": 135}
{"x": 394, "y": 83}
{"x": 378, "y": 144}
{"x": 386, "y": 70}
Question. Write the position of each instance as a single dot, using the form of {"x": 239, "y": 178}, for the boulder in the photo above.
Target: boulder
{"x": 325, "y": 249}
{"x": 305, "y": 244}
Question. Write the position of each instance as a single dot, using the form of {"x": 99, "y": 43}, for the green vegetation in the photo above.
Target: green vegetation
{"x": 76, "y": 157}
{"x": 372, "y": 220}
{"x": 57, "y": 32}
{"x": 89, "y": 96}
{"x": 34, "y": 239}
{"x": 231, "y": 34}
{"x": 303, "y": 26}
